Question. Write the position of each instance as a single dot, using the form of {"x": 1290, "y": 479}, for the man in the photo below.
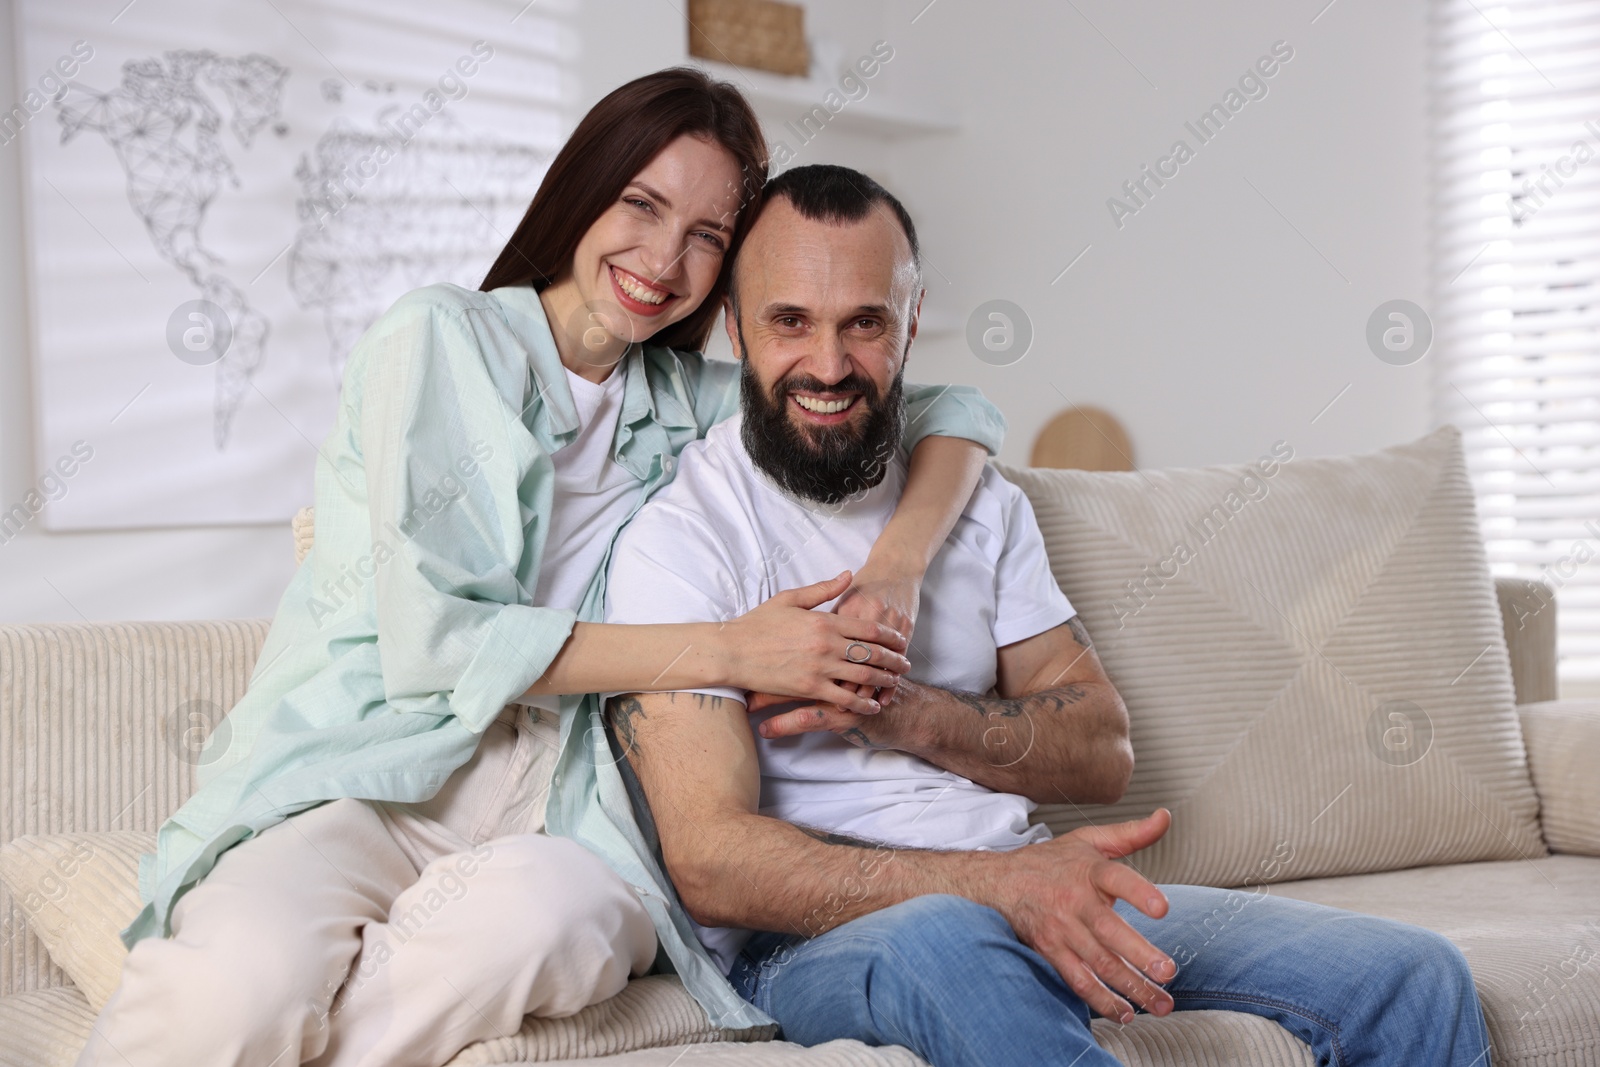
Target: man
{"x": 905, "y": 897}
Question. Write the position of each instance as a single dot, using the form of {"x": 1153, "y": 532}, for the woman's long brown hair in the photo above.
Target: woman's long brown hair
{"x": 615, "y": 141}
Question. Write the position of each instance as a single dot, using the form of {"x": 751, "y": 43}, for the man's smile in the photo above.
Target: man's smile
{"x": 825, "y": 408}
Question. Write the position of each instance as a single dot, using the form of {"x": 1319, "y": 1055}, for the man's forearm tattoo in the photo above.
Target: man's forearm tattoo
{"x": 1011, "y": 707}
{"x": 870, "y": 857}
{"x": 700, "y": 699}
{"x": 828, "y": 837}
{"x": 625, "y": 715}
{"x": 627, "y": 712}
{"x": 1079, "y": 633}
{"x": 858, "y": 737}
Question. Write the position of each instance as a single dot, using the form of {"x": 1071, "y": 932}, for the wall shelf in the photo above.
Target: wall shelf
{"x": 779, "y": 100}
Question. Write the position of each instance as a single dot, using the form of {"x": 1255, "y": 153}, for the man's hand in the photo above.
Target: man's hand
{"x": 878, "y": 730}
{"x": 1056, "y": 730}
{"x": 880, "y": 593}
{"x": 811, "y": 651}
{"x": 697, "y": 762}
{"x": 1057, "y": 895}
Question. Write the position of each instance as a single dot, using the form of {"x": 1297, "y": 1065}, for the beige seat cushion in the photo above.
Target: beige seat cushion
{"x": 1312, "y": 657}
{"x": 47, "y": 1028}
{"x": 1530, "y": 931}
{"x": 89, "y": 881}
{"x": 1202, "y": 1039}
{"x": 651, "y": 1012}
{"x": 766, "y": 1054}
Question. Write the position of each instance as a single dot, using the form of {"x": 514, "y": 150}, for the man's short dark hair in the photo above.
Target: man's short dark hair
{"x": 825, "y": 192}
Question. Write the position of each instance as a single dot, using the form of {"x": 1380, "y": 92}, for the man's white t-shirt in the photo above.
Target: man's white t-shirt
{"x": 723, "y": 538}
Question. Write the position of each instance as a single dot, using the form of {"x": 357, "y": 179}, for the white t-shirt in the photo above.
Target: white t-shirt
{"x": 593, "y": 495}
{"x": 723, "y": 538}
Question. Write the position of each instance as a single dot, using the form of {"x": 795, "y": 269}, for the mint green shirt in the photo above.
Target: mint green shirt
{"x": 409, "y": 626}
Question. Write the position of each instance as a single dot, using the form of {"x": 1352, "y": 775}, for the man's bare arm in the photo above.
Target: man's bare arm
{"x": 696, "y": 759}
{"x": 1057, "y": 731}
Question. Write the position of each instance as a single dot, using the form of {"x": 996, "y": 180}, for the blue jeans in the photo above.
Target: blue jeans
{"x": 948, "y": 979}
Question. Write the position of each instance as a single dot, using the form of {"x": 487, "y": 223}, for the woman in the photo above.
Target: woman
{"x": 388, "y": 768}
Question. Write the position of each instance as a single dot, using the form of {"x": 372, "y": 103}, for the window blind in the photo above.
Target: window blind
{"x": 1516, "y": 290}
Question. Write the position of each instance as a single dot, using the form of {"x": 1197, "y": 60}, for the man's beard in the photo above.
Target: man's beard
{"x": 825, "y": 464}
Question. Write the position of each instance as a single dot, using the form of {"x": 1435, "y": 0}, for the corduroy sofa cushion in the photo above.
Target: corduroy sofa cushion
{"x": 101, "y": 726}
{"x": 44, "y": 1027}
{"x": 78, "y": 891}
{"x": 1312, "y": 658}
{"x": 1563, "y": 739}
{"x": 1530, "y": 932}
{"x": 49, "y": 1027}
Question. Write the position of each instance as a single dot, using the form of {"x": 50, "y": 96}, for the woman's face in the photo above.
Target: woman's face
{"x": 653, "y": 256}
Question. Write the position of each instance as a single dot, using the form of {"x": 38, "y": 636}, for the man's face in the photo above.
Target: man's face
{"x": 827, "y": 313}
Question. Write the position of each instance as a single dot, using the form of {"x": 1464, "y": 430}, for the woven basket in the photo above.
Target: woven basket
{"x": 763, "y": 34}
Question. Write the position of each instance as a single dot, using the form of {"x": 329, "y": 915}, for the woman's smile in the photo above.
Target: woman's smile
{"x": 637, "y": 295}
{"x": 651, "y": 258}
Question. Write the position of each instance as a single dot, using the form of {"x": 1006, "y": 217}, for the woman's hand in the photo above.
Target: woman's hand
{"x": 785, "y": 649}
{"x": 880, "y": 593}
{"x": 884, "y": 594}
{"x": 887, "y": 593}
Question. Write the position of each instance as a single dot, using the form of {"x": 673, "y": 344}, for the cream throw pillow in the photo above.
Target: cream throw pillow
{"x": 1311, "y": 655}
{"x": 78, "y": 891}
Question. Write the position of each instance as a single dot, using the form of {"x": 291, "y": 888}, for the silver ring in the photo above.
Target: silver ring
{"x": 866, "y": 653}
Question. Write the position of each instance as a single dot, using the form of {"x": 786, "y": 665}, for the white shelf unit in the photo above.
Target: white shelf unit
{"x": 778, "y": 99}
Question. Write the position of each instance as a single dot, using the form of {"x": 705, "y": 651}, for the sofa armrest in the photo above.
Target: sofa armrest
{"x": 1528, "y": 617}
{"x": 1563, "y": 741}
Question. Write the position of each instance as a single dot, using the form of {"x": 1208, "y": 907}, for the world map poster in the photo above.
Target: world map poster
{"x": 222, "y": 196}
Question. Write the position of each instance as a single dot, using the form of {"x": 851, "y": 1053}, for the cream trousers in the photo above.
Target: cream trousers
{"x": 365, "y": 933}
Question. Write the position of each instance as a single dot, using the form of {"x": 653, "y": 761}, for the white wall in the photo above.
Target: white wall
{"x": 1210, "y": 323}
{"x": 1207, "y": 323}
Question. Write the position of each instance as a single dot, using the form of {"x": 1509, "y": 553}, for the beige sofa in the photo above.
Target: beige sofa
{"x": 98, "y": 724}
